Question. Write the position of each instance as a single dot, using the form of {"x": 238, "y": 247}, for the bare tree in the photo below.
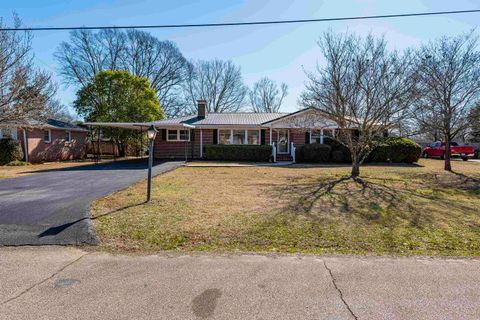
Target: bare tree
{"x": 219, "y": 83}
{"x": 138, "y": 52}
{"x": 24, "y": 91}
{"x": 364, "y": 89}
{"x": 265, "y": 95}
{"x": 449, "y": 80}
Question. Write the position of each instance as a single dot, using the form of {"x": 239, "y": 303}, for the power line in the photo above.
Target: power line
{"x": 248, "y": 23}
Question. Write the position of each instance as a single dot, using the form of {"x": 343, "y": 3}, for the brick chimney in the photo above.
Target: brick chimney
{"x": 202, "y": 109}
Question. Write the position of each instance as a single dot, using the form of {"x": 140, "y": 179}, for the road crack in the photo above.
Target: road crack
{"x": 44, "y": 280}
{"x": 340, "y": 293}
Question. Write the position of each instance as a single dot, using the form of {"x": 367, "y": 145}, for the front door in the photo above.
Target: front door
{"x": 283, "y": 141}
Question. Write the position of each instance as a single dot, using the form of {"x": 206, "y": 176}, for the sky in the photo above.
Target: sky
{"x": 280, "y": 52}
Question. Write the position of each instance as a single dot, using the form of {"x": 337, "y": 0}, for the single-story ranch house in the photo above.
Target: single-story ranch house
{"x": 186, "y": 137}
{"x": 52, "y": 140}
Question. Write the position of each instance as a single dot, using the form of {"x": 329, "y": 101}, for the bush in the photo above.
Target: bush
{"x": 397, "y": 150}
{"x": 10, "y": 150}
{"x": 338, "y": 156}
{"x": 260, "y": 153}
{"x": 18, "y": 163}
{"x": 313, "y": 153}
{"x": 340, "y": 153}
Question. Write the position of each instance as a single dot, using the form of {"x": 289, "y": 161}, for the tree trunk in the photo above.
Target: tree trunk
{"x": 448, "y": 164}
{"x": 355, "y": 168}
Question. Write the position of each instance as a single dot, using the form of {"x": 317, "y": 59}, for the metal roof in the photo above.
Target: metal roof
{"x": 229, "y": 119}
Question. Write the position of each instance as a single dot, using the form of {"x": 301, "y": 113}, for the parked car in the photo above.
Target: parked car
{"x": 437, "y": 149}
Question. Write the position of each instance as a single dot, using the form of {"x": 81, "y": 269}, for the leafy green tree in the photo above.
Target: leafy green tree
{"x": 118, "y": 96}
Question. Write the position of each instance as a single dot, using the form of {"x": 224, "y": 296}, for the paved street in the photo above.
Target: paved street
{"x": 68, "y": 283}
{"x": 53, "y": 207}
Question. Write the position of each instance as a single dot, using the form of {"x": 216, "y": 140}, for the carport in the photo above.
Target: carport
{"x": 138, "y": 126}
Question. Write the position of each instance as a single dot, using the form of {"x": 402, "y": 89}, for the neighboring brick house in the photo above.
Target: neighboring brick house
{"x": 53, "y": 140}
{"x": 185, "y": 137}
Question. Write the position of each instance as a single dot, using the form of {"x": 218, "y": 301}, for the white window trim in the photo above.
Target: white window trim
{"x": 69, "y": 136}
{"x": 13, "y": 133}
{"x": 49, "y": 136}
{"x": 178, "y": 135}
{"x": 245, "y": 136}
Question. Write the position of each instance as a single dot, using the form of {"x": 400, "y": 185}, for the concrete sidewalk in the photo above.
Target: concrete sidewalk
{"x": 68, "y": 283}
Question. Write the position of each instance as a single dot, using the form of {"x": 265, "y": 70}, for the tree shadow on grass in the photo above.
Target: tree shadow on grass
{"x": 375, "y": 200}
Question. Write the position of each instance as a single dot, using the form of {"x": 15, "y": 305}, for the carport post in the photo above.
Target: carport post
{"x": 152, "y": 132}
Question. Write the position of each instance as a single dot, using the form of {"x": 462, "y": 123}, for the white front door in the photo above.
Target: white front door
{"x": 283, "y": 141}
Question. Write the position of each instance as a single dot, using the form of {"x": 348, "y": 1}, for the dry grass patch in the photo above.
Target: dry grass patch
{"x": 392, "y": 210}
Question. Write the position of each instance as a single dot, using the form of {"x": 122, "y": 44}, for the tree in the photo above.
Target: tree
{"x": 266, "y": 97}
{"x": 25, "y": 92}
{"x": 219, "y": 83}
{"x": 363, "y": 88}
{"x": 474, "y": 130}
{"x": 449, "y": 82}
{"x": 118, "y": 96}
{"x": 140, "y": 53}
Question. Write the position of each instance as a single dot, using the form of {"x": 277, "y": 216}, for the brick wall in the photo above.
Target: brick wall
{"x": 164, "y": 149}
{"x": 58, "y": 149}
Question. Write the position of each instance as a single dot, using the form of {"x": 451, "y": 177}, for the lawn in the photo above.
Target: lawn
{"x": 399, "y": 210}
{"x": 7, "y": 172}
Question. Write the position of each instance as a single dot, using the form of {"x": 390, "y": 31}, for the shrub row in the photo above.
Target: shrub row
{"x": 260, "y": 153}
{"x": 10, "y": 150}
{"x": 397, "y": 150}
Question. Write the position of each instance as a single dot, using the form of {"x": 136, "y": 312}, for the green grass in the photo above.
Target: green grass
{"x": 398, "y": 210}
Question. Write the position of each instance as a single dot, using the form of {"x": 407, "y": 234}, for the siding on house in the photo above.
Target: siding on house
{"x": 58, "y": 149}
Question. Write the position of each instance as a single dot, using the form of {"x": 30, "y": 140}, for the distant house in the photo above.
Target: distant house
{"x": 52, "y": 140}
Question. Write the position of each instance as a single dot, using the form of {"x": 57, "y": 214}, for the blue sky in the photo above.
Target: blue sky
{"x": 280, "y": 52}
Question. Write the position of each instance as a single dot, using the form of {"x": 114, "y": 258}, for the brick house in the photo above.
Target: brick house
{"x": 185, "y": 137}
{"x": 53, "y": 140}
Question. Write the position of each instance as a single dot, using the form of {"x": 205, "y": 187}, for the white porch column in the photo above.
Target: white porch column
{"x": 201, "y": 143}
{"x": 270, "y": 135}
{"x": 321, "y": 136}
{"x": 25, "y": 144}
{"x": 333, "y": 132}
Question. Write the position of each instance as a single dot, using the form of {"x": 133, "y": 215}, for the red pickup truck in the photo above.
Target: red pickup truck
{"x": 437, "y": 149}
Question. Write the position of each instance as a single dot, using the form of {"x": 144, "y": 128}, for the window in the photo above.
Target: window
{"x": 172, "y": 135}
{"x": 238, "y": 137}
{"x": 68, "y": 136}
{"x": 184, "y": 135}
{"x": 178, "y": 135}
{"x": 224, "y": 136}
{"x": 47, "y": 136}
{"x": 253, "y": 137}
{"x": 315, "y": 137}
{"x": 8, "y": 133}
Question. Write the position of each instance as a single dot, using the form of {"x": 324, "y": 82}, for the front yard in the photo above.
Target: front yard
{"x": 398, "y": 210}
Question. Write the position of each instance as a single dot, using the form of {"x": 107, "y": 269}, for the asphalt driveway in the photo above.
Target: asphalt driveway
{"x": 52, "y": 207}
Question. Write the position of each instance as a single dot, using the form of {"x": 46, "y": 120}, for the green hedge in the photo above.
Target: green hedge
{"x": 261, "y": 153}
{"x": 397, "y": 150}
{"x": 10, "y": 150}
{"x": 393, "y": 149}
{"x": 313, "y": 153}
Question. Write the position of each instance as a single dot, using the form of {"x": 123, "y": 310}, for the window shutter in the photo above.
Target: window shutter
{"x": 215, "y": 136}
{"x": 164, "y": 134}
{"x": 307, "y": 137}
{"x": 192, "y": 135}
{"x": 262, "y": 136}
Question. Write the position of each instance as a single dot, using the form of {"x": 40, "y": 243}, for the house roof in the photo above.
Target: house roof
{"x": 228, "y": 119}
{"x": 49, "y": 124}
